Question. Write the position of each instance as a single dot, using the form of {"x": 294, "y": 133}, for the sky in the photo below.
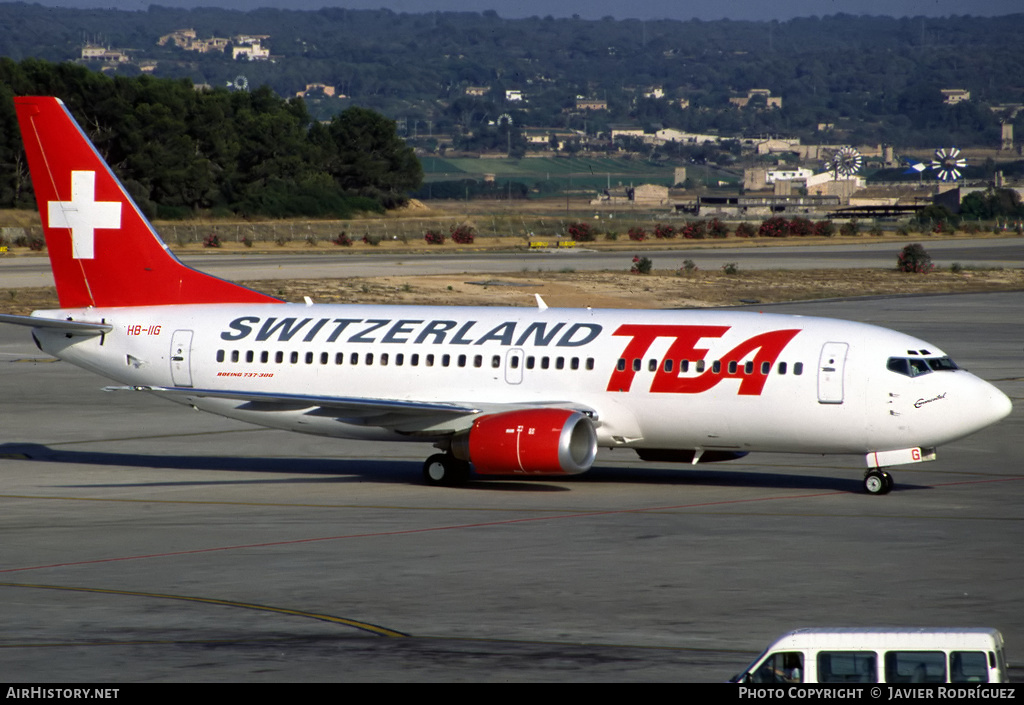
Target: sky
{"x": 596, "y": 9}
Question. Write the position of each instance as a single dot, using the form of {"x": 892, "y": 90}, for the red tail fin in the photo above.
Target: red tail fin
{"x": 102, "y": 249}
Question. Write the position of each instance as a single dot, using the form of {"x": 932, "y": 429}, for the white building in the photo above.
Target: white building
{"x": 787, "y": 174}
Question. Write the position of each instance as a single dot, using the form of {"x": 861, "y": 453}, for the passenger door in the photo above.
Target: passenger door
{"x": 830, "y": 373}
{"x": 181, "y": 353}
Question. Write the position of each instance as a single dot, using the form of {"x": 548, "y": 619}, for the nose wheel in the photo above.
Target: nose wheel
{"x": 878, "y": 482}
{"x": 445, "y": 470}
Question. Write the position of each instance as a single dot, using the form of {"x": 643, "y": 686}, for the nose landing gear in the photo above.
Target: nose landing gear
{"x": 878, "y": 482}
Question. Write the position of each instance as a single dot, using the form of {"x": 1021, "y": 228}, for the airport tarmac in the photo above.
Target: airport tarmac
{"x": 145, "y": 542}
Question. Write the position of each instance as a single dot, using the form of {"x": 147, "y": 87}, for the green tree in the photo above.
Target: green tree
{"x": 365, "y": 156}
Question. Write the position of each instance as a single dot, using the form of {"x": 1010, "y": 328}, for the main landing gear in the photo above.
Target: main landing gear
{"x": 878, "y": 482}
{"x": 444, "y": 469}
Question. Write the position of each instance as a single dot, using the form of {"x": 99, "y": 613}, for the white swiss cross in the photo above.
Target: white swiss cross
{"x": 84, "y": 214}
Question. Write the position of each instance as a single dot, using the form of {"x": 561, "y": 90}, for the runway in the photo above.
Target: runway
{"x": 145, "y": 542}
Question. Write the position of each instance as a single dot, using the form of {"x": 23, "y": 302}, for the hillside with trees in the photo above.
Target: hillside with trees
{"x": 195, "y": 130}
{"x": 867, "y": 80}
{"x": 181, "y": 152}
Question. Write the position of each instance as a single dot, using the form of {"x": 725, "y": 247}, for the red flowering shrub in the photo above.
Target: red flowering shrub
{"x": 695, "y": 230}
{"x": 824, "y": 228}
{"x": 433, "y": 237}
{"x": 850, "y": 228}
{"x": 717, "y": 228}
{"x": 637, "y": 233}
{"x": 745, "y": 230}
{"x": 581, "y": 232}
{"x": 641, "y": 265}
{"x": 774, "y": 227}
{"x": 913, "y": 258}
{"x": 801, "y": 227}
{"x": 463, "y": 234}
{"x": 664, "y": 232}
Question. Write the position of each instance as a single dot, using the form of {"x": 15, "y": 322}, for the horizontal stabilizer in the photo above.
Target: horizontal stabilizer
{"x": 68, "y": 326}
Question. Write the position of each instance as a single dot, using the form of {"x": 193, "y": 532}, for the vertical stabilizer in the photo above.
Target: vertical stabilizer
{"x": 102, "y": 249}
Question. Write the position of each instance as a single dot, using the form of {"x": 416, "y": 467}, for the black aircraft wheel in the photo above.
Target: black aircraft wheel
{"x": 878, "y": 482}
{"x": 445, "y": 470}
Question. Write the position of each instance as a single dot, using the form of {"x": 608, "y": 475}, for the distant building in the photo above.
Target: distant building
{"x": 775, "y": 175}
{"x": 328, "y": 91}
{"x": 591, "y": 104}
{"x": 513, "y": 96}
{"x": 251, "y": 51}
{"x": 776, "y": 146}
{"x": 645, "y": 194}
{"x": 627, "y": 132}
{"x": 825, "y": 184}
{"x": 770, "y": 100}
{"x": 650, "y": 195}
{"x": 550, "y": 137}
{"x": 673, "y": 135}
{"x": 477, "y": 90}
{"x": 107, "y": 56}
{"x": 952, "y": 96}
{"x": 761, "y": 206}
{"x": 189, "y": 41}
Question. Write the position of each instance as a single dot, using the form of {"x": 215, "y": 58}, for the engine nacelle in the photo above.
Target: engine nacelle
{"x": 529, "y": 441}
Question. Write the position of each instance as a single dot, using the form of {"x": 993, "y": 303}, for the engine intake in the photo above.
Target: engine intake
{"x": 529, "y": 441}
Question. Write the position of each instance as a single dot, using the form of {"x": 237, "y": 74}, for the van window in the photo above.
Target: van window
{"x": 847, "y": 667}
{"x": 915, "y": 667}
{"x": 968, "y": 667}
{"x": 780, "y": 667}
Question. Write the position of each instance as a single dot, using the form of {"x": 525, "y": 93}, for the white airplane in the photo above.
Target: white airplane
{"x": 532, "y": 391}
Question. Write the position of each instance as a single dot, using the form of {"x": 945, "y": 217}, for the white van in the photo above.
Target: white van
{"x": 880, "y": 655}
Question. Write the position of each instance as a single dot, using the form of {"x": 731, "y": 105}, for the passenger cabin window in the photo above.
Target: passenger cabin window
{"x": 915, "y": 667}
{"x": 968, "y": 667}
{"x": 847, "y": 667}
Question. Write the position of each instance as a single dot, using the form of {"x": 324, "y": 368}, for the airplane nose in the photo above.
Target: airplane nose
{"x": 999, "y": 405}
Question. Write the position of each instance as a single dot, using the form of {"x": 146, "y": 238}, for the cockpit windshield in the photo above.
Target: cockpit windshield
{"x": 917, "y": 366}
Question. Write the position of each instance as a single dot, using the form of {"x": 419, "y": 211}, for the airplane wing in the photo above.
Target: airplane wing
{"x": 401, "y": 415}
{"x": 68, "y": 326}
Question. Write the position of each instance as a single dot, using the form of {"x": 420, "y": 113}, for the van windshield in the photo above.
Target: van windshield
{"x": 780, "y": 667}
